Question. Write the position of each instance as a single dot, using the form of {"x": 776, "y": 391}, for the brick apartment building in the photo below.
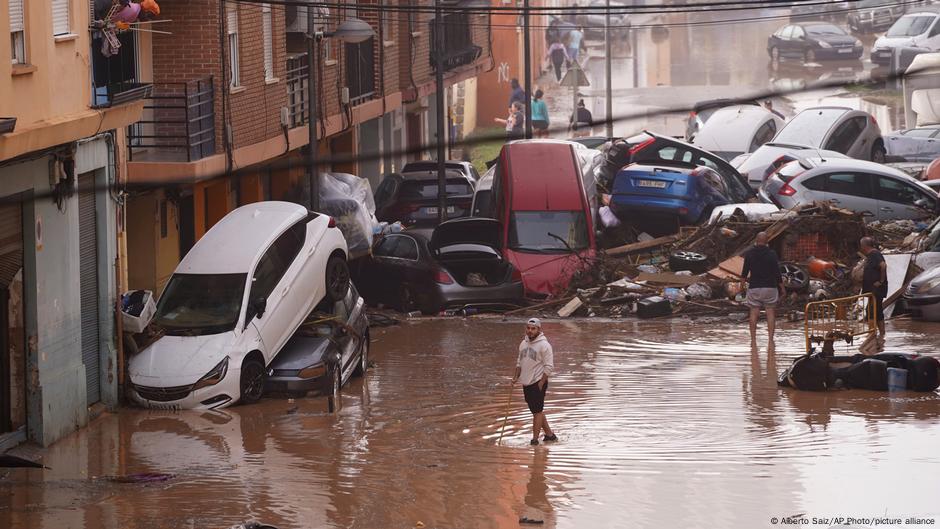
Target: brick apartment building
{"x": 226, "y": 122}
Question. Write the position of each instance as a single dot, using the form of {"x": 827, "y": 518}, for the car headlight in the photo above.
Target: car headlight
{"x": 824, "y": 44}
{"x": 213, "y": 377}
{"x": 314, "y": 371}
{"x": 929, "y": 285}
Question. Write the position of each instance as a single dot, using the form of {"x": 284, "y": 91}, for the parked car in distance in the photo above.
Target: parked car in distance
{"x": 482, "y": 205}
{"x": 412, "y": 196}
{"x": 735, "y": 130}
{"x": 920, "y": 144}
{"x": 812, "y": 41}
{"x": 460, "y": 266}
{"x": 330, "y": 347}
{"x": 918, "y": 29}
{"x": 758, "y": 165}
{"x": 854, "y": 133}
{"x": 234, "y": 301}
{"x": 922, "y": 297}
{"x": 872, "y": 16}
{"x": 545, "y": 215}
{"x": 663, "y": 196}
{"x": 856, "y": 185}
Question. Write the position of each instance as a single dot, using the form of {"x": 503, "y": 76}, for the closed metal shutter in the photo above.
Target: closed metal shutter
{"x": 60, "y": 17}
{"x": 16, "y": 15}
{"x": 88, "y": 284}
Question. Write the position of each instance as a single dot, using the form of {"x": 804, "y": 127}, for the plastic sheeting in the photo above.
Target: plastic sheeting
{"x": 349, "y": 200}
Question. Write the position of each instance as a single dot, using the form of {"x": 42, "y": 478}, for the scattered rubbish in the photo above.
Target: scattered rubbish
{"x": 142, "y": 477}
{"x": 570, "y": 308}
{"x": 728, "y": 233}
{"x": 476, "y": 279}
{"x": 692, "y": 261}
{"x": 532, "y": 521}
{"x": 675, "y": 294}
{"x": 253, "y": 525}
{"x": 820, "y": 268}
{"x": 414, "y": 314}
{"x": 608, "y": 218}
{"x": 653, "y": 307}
{"x": 137, "y": 309}
{"x": 419, "y": 524}
{"x": 649, "y": 269}
{"x": 820, "y": 372}
{"x": 699, "y": 291}
{"x": 643, "y": 237}
{"x": 897, "y": 379}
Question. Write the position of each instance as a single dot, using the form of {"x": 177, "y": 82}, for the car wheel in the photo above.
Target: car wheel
{"x": 774, "y": 54}
{"x": 363, "y": 356}
{"x": 251, "y": 381}
{"x": 878, "y": 153}
{"x": 337, "y": 278}
{"x": 809, "y": 56}
{"x": 691, "y": 261}
{"x": 794, "y": 277}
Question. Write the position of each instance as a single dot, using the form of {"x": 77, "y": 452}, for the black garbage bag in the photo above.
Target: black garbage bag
{"x": 809, "y": 372}
{"x": 819, "y": 372}
{"x": 870, "y": 373}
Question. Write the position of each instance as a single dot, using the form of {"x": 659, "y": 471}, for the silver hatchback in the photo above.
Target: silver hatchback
{"x": 857, "y": 185}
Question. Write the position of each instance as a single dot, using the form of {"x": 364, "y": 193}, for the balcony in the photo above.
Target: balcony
{"x": 114, "y": 79}
{"x": 178, "y": 123}
{"x": 459, "y": 49}
{"x": 360, "y": 71}
{"x": 298, "y": 75}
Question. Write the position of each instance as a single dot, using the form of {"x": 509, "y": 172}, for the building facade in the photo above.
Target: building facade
{"x": 64, "y": 116}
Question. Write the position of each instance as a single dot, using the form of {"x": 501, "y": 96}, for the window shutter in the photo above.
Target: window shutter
{"x": 267, "y": 30}
{"x": 60, "y": 17}
{"x": 231, "y": 19}
{"x": 16, "y": 15}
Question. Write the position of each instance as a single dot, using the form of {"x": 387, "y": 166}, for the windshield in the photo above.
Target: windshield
{"x": 529, "y": 231}
{"x": 428, "y": 188}
{"x": 809, "y": 127}
{"x": 200, "y": 303}
{"x": 825, "y": 29}
{"x": 910, "y": 26}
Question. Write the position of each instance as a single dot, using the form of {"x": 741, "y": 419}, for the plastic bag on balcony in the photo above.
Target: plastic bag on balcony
{"x": 348, "y": 199}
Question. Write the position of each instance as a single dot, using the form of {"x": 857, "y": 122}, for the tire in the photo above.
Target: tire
{"x": 774, "y": 54}
{"x": 795, "y": 279}
{"x": 337, "y": 278}
{"x": 363, "y": 356}
{"x": 251, "y": 381}
{"x": 809, "y": 56}
{"x": 878, "y": 152}
{"x": 691, "y": 261}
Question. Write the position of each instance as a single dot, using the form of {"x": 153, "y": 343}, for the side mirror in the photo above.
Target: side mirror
{"x": 258, "y": 307}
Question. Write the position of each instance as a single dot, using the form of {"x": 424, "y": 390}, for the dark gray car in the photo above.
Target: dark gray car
{"x": 329, "y": 348}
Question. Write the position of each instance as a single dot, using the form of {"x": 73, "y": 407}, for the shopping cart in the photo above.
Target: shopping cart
{"x": 839, "y": 319}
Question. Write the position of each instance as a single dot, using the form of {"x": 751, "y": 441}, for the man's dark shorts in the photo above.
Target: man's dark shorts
{"x": 535, "y": 397}
{"x": 877, "y": 308}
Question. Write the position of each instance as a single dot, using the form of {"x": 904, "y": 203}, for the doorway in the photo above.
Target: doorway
{"x": 12, "y": 325}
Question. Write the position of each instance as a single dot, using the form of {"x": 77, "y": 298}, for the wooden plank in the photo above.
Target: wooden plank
{"x": 898, "y": 266}
{"x": 668, "y": 278}
{"x": 730, "y": 268}
{"x": 570, "y": 308}
{"x": 645, "y": 245}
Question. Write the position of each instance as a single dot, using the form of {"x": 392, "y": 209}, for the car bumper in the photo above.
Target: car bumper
{"x": 150, "y": 395}
{"x": 882, "y": 56}
{"x": 458, "y": 296}
{"x": 658, "y": 208}
{"x": 923, "y": 307}
{"x": 836, "y": 54}
{"x": 296, "y": 385}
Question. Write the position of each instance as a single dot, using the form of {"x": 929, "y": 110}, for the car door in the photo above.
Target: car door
{"x": 344, "y": 336}
{"x": 896, "y": 199}
{"x": 851, "y": 191}
{"x": 797, "y": 44}
{"x": 271, "y": 282}
{"x": 783, "y": 41}
{"x": 407, "y": 254}
{"x": 382, "y": 273}
{"x": 914, "y": 142}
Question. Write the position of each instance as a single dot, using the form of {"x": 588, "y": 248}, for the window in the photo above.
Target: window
{"x": 200, "y": 303}
{"x": 764, "y": 134}
{"x": 418, "y": 189}
{"x": 231, "y": 24}
{"x": 787, "y": 32}
{"x": 845, "y": 135}
{"x": 267, "y": 32}
{"x": 406, "y": 248}
{"x": 919, "y": 133}
{"x": 17, "y": 32}
{"x": 60, "y": 17}
{"x": 851, "y": 184}
{"x": 548, "y": 231}
{"x": 712, "y": 180}
{"x": 385, "y": 247}
{"x": 891, "y": 190}
{"x": 816, "y": 183}
{"x": 277, "y": 260}
{"x": 936, "y": 29}
{"x": 798, "y": 33}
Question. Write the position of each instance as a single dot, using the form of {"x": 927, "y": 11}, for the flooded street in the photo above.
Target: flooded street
{"x": 661, "y": 424}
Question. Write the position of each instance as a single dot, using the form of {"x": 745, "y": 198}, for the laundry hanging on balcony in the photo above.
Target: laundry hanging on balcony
{"x": 112, "y": 16}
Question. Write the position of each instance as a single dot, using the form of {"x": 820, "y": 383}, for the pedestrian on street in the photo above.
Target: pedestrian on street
{"x": 514, "y": 122}
{"x": 875, "y": 282}
{"x": 558, "y": 56}
{"x": 581, "y": 121}
{"x": 517, "y": 95}
{"x": 540, "y": 121}
{"x": 764, "y": 286}
{"x": 534, "y": 365}
{"x": 574, "y": 44}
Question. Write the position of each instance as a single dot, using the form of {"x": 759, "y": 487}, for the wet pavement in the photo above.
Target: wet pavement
{"x": 661, "y": 424}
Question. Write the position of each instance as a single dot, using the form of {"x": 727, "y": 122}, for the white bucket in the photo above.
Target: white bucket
{"x": 897, "y": 379}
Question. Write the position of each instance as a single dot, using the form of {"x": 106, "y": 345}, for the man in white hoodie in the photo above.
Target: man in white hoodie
{"x": 534, "y": 365}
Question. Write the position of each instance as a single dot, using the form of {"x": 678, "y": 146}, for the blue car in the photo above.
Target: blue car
{"x": 660, "y": 194}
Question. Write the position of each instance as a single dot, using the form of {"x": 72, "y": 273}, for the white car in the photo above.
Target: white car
{"x": 735, "y": 130}
{"x": 769, "y": 157}
{"x": 919, "y": 29}
{"x": 234, "y": 301}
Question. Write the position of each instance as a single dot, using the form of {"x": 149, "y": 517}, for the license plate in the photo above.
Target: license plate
{"x": 433, "y": 210}
{"x": 164, "y": 407}
{"x": 651, "y": 183}
{"x": 845, "y": 50}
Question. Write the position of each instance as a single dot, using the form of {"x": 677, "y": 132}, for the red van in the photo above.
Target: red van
{"x": 539, "y": 198}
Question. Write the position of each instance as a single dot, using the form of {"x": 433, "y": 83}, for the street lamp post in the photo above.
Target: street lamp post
{"x": 441, "y": 113}
{"x": 352, "y": 31}
{"x": 607, "y": 73}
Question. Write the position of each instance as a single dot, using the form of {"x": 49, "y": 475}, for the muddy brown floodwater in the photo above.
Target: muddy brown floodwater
{"x": 661, "y": 425}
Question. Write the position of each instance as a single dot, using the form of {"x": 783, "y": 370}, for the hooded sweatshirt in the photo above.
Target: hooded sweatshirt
{"x": 535, "y": 359}
{"x": 762, "y": 265}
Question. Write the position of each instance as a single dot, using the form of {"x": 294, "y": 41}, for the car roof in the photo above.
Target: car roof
{"x": 431, "y": 174}
{"x": 544, "y": 176}
{"x": 731, "y": 128}
{"x": 431, "y": 165}
{"x": 235, "y": 242}
{"x": 851, "y": 164}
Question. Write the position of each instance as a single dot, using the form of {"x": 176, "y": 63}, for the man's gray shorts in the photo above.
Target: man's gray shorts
{"x": 762, "y": 298}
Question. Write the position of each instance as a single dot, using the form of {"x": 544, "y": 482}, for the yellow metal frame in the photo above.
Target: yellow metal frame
{"x": 838, "y": 318}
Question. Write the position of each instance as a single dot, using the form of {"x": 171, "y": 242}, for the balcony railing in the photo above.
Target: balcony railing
{"x": 459, "y": 49}
{"x": 298, "y": 75}
{"x": 360, "y": 71}
{"x": 178, "y": 124}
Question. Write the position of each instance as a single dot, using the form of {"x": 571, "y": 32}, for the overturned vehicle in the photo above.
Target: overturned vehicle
{"x": 819, "y": 371}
